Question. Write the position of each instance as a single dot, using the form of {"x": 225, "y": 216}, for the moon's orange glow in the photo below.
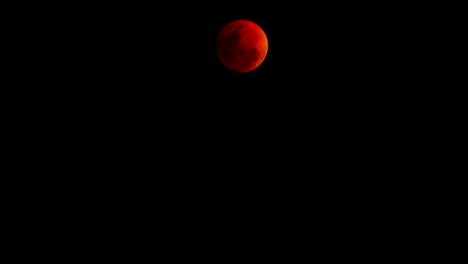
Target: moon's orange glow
{"x": 241, "y": 45}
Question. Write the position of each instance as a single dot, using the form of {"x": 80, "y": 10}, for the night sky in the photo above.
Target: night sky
{"x": 150, "y": 133}
{"x": 326, "y": 63}
{"x": 331, "y": 93}
{"x": 334, "y": 81}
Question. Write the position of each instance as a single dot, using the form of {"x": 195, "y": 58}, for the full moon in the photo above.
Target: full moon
{"x": 241, "y": 45}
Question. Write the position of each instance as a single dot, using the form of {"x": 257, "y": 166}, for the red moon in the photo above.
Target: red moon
{"x": 241, "y": 45}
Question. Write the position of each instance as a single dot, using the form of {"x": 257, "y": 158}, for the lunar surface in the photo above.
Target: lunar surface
{"x": 241, "y": 45}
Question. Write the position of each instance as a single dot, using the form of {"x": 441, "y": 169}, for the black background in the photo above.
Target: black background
{"x": 138, "y": 89}
{"x": 143, "y": 124}
{"x": 339, "y": 89}
{"x": 333, "y": 72}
